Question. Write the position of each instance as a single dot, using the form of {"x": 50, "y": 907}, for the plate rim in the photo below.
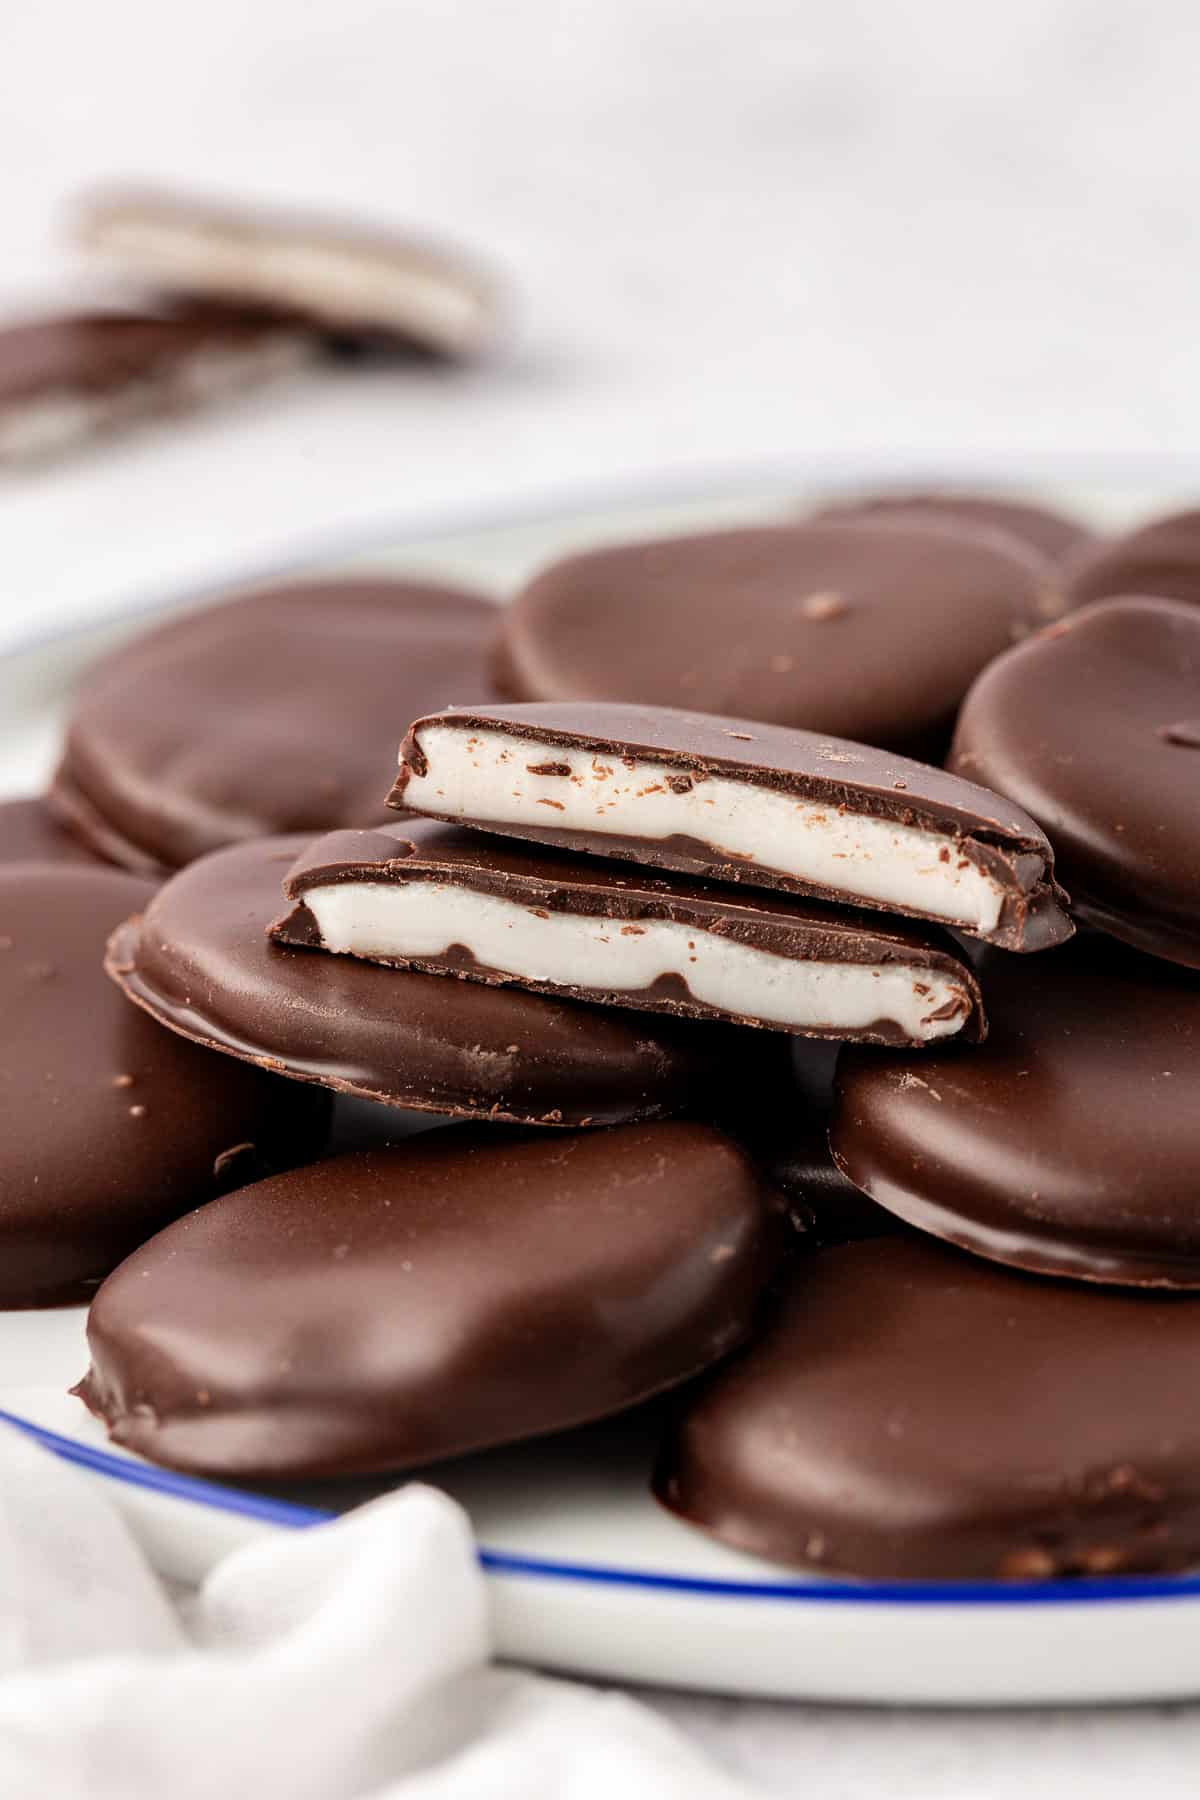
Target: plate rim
{"x": 809, "y": 472}
{"x": 292, "y": 1515}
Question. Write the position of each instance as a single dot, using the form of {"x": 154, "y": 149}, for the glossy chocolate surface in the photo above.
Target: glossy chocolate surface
{"x": 1160, "y": 558}
{"x": 467, "y": 1288}
{"x": 109, "y": 1126}
{"x": 1094, "y": 727}
{"x": 549, "y": 883}
{"x": 913, "y": 1413}
{"x": 990, "y": 832}
{"x": 864, "y": 630}
{"x": 1069, "y": 1143}
{"x": 29, "y": 832}
{"x": 279, "y": 711}
{"x": 199, "y": 960}
{"x": 1048, "y": 532}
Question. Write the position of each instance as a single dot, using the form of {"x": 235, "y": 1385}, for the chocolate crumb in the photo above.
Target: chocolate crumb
{"x": 823, "y": 606}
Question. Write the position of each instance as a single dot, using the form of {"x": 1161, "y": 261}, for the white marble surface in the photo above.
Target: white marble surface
{"x": 857, "y": 236}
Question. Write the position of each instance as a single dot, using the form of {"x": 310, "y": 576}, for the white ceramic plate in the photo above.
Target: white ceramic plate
{"x": 586, "y": 1572}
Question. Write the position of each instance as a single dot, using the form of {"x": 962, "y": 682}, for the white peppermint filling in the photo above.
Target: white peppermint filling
{"x": 357, "y": 284}
{"x": 487, "y": 776}
{"x": 416, "y": 919}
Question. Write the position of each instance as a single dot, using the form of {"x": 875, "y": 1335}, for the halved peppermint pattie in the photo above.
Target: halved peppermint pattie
{"x": 354, "y": 281}
{"x": 763, "y": 805}
{"x": 488, "y": 909}
{"x": 70, "y": 377}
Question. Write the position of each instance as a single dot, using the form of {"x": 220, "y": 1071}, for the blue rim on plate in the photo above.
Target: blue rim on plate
{"x": 288, "y": 1514}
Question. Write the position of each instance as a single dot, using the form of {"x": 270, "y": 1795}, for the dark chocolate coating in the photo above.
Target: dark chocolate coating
{"x": 555, "y": 882}
{"x": 468, "y": 1288}
{"x": 912, "y": 1413}
{"x": 109, "y": 1126}
{"x": 95, "y": 354}
{"x": 988, "y": 831}
{"x": 870, "y": 631}
{"x": 279, "y": 711}
{"x": 29, "y": 832}
{"x": 1046, "y": 531}
{"x": 200, "y": 961}
{"x": 1069, "y": 1143}
{"x": 1094, "y": 727}
{"x": 1161, "y": 558}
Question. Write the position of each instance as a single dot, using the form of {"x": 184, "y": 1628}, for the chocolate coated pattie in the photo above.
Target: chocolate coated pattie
{"x": 343, "y": 278}
{"x": 871, "y": 631}
{"x": 1050, "y": 533}
{"x": 1161, "y": 558}
{"x": 757, "y": 804}
{"x": 274, "y": 712}
{"x": 200, "y": 960}
{"x": 912, "y": 1413}
{"x": 1069, "y": 1143}
{"x": 75, "y": 376}
{"x": 29, "y": 832}
{"x": 491, "y": 909}
{"x": 391, "y": 1307}
{"x": 109, "y": 1126}
{"x": 1094, "y": 727}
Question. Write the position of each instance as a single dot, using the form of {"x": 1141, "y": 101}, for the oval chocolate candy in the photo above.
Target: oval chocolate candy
{"x": 871, "y": 631}
{"x": 1160, "y": 558}
{"x": 277, "y": 711}
{"x": 1093, "y": 727}
{"x": 1069, "y": 1143}
{"x": 199, "y": 960}
{"x": 29, "y": 832}
{"x": 387, "y": 1308}
{"x": 1042, "y": 529}
{"x": 911, "y": 1413}
{"x": 109, "y": 1126}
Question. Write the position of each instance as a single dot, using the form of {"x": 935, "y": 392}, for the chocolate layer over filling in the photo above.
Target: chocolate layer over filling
{"x": 756, "y": 804}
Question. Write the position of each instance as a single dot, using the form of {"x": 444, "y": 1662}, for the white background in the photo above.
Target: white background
{"x": 762, "y": 228}
{"x": 933, "y": 234}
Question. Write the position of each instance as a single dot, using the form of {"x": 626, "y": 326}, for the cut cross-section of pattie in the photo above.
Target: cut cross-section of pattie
{"x": 763, "y": 805}
{"x": 488, "y": 909}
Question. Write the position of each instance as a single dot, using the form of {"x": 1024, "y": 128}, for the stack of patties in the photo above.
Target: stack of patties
{"x": 591, "y": 930}
{"x": 387, "y": 1307}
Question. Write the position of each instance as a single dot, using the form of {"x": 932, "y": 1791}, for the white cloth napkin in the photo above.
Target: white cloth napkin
{"x": 345, "y": 1662}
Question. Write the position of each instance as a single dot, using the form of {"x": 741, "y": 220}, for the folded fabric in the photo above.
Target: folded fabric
{"x": 345, "y": 1662}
